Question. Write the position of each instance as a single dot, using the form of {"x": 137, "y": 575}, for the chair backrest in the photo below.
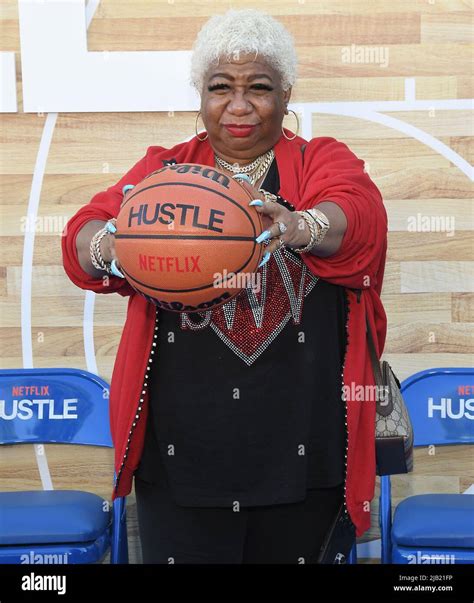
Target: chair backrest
{"x": 67, "y": 406}
{"x": 440, "y": 402}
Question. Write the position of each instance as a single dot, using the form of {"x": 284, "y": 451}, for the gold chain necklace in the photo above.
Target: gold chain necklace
{"x": 254, "y": 170}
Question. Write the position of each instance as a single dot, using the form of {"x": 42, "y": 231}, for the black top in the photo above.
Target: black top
{"x": 229, "y": 423}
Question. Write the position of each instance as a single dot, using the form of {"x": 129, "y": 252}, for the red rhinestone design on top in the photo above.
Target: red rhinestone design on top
{"x": 249, "y": 322}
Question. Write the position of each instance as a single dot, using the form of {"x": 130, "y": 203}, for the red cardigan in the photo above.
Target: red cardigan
{"x": 330, "y": 172}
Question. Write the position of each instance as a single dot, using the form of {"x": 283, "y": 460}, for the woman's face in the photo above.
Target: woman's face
{"x": 243, "y": 92}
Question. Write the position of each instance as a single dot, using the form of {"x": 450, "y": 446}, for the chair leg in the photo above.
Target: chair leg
{"x": 352, "y": 557}
{"x": 119, "y": 546}
{"x": 124, "y": 539}
{"x": 385, "y": 518}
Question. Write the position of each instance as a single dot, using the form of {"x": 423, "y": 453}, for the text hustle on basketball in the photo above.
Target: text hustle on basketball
{"x": 166, "y": 213}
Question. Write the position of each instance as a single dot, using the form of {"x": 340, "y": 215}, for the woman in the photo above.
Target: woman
{"x": 232, "y": 420}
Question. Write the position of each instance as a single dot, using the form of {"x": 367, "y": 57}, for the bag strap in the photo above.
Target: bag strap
{"x": 383, "y": 407}
{"x": 373, "y": 356}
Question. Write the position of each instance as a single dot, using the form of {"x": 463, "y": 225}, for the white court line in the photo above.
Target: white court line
{"x": 43, "y": 468}
{"x": 387, "y": 120}
{"x": 29, "y": 239}
{"x": 307, "y": 126}
{"x": 26, "y": 274}
{"x": 457, "y": 104}
{"x": 88, "y": 332}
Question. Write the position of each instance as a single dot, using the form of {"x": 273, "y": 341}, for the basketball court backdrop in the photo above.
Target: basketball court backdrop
{"x": 393, "y": 80}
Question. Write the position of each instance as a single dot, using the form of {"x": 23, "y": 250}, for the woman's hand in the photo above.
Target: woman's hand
{"x": 297, "y": 233}
{"x": 107, "y": 243}
{"x": 107, "y": 249}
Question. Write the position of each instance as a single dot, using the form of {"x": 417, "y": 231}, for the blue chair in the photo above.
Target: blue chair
{"x": 433, "y": 528}
{"x": 64, "y": 406}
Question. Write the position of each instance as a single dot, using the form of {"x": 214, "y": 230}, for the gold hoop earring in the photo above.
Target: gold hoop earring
{"x": 196, "y": 129}
{"x": 297, "y": 126}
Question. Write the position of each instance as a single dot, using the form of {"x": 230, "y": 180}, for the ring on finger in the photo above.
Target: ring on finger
{"x": 269, "y": 197}
{"x": 283, "y": 227}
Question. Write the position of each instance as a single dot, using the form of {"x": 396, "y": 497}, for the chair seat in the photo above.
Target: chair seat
{"x": 435, "y": 520}
{"x": 52, "y": 516}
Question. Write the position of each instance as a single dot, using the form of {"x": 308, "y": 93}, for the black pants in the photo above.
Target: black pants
{"x": 287, "y": 533}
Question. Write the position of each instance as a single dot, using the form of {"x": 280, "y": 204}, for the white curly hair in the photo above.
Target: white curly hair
{"x": 239, "y": 32}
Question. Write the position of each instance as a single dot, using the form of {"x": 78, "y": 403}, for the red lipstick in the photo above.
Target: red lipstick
{"x": 240, "y": 131}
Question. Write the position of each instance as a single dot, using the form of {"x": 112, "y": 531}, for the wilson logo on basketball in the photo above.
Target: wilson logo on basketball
{"x": 213, "y": 231}
{"x": 204, "y": 171}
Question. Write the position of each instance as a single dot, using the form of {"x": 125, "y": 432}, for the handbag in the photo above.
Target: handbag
{"x": 393, "y": 427}
{"x": 339, "y": 540}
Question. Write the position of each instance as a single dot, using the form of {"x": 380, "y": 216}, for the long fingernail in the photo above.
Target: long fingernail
{"x": 258, "y": 202}
{"x": 266, "y": 257}
{"x": 115, "y": 271}
{"x": 242, "y": 177}
{"x": 127, "y": 187}
{"x": 110, "y": 227}
{"x": 266, "y": 234}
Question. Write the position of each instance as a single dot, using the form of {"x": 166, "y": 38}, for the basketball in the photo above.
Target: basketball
{"x": 186, "y": 237}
